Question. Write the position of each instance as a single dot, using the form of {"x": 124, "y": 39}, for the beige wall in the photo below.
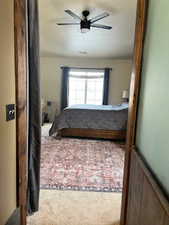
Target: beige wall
{"x": 51, "y": 76}
{"x": 7, "y": 129}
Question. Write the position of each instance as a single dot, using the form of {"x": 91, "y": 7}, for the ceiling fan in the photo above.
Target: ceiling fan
{"x": 85, "y": 23}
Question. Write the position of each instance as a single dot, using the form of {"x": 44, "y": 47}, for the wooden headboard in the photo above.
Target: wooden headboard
{"x": 147, "y": 205}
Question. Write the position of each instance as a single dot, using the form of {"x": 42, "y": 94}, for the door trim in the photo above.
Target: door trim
{"x": 140, "y": 30}
{"x": 21, "y": 71}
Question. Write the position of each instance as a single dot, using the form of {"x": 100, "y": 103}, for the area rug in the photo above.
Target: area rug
{"x": 82, "y": 165}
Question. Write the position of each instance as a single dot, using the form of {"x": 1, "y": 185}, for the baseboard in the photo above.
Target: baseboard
{"x": 14, "y": 218}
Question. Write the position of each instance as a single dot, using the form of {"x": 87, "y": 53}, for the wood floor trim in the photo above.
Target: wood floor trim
{"x": 14, "y": 218}
{"x": 93, "y": 133}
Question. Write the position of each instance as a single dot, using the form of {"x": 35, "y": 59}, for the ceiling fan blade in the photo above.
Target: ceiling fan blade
{"x": 73, "y": 14}
{"x": 99, "y": 17}
{"x": 101, "y": 26}
{"x": 65, "y": 24}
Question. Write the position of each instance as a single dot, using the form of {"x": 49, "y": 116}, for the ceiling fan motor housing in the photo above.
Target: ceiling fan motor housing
{"x": 85, "y": 24}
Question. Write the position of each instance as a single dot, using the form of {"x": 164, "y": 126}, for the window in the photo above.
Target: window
{"x": 85, "y": 86}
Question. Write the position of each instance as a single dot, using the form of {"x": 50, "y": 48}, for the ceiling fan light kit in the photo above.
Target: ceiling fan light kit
{"x": 85, "y": 26}
{"x": 85, "y": 23}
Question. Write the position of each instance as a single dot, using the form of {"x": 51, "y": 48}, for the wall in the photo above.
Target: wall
{"x": 153, "y": 120}
{"x": 7, "y": 129}
{"x": 51, "y": 76}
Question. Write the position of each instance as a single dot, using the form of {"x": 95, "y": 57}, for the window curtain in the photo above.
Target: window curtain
{"x": 65, "y": 85}
{"x": 106, "y": 86}
{"x": 34, "y": 120}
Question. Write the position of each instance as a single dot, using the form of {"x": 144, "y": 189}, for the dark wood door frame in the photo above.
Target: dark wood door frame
{"x": 140, "y": 30}
{"x": 21, "y": 70}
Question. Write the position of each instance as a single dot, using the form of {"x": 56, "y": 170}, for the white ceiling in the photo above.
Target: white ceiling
{"x": 70, "y": 42}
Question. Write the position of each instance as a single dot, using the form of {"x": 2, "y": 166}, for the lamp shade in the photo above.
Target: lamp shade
{"x": 125, "y": 94}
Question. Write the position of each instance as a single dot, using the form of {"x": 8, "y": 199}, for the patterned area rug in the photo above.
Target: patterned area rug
{"x": 82, "y": 165}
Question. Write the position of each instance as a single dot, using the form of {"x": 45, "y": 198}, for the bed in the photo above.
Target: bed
{"x": 92, "y": 121}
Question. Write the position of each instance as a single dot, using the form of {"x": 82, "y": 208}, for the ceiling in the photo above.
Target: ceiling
{"x": 68, "y": 41}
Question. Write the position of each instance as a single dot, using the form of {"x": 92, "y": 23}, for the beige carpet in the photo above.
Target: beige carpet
{"x": 77, "y": 208}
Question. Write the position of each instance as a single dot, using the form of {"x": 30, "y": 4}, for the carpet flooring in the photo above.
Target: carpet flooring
{"x": 77, "y": 208}
{"x": 83, "y": 165}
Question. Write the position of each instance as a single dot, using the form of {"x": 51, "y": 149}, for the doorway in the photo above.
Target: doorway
{"x": 75, "y": 89}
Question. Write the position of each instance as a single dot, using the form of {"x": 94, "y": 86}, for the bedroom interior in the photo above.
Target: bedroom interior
{"x": 85, "y": 82}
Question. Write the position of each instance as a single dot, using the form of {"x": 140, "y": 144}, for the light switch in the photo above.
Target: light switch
{"x": 10, "y": 112}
